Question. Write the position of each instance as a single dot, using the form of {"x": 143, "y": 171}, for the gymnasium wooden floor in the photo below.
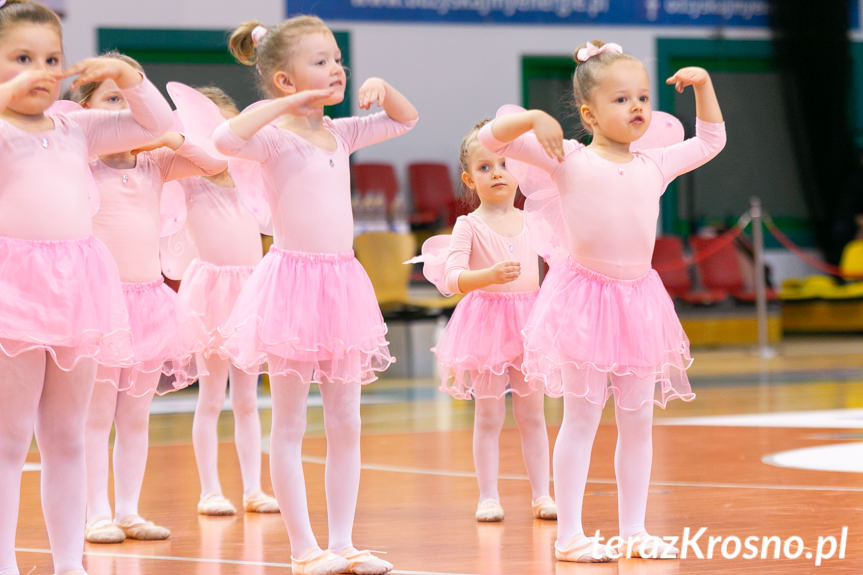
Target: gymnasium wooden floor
{"x": 716, "y": 466}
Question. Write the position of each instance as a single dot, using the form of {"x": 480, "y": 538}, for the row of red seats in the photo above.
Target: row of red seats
{"x": 718, "y": 265}
{"x": 431, "y": 186}
{"x": 433, "y": 196}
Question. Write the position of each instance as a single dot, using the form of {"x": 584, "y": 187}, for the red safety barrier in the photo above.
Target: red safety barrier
{"x": 798, "y": 251}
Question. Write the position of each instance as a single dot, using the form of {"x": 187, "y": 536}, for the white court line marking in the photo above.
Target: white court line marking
{"x": 828, "y": 418}
{"x": 841, "y": 457}
{"x": 219, "y": 561}
{"x": 447, "y": 473}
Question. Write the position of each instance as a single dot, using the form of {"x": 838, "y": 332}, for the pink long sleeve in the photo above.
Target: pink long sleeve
{"x": 309, "y": 187}
{"x": 148, "y": 117}
{"x": 610, "y": 209}
{"x": 475, "y": 246}
{"x": 187, "y": 161}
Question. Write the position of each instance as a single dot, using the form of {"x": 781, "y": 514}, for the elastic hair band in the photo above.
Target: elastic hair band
{"x": 257, "y": 33}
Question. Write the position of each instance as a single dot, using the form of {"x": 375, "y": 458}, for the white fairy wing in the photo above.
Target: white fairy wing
{"x": 664, "y": 130}
{"x": 542, "y": 212}
{"x": 176, "y": 247}
{"x": 433, "y": 256}
{"x": 249, "y": 180}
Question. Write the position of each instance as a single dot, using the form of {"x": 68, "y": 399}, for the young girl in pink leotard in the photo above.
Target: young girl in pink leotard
{"x": 227, "y": 239}
{"x": 309, "y": 310}
{"x": 129, "y": 185}
{"x": 61, "y": 306}
{"x": 604, "y": 314}
{"x": 491, "y": 258}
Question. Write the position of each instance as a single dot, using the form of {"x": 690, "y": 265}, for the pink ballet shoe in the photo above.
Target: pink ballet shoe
{"x": 489, "y": 511}
{"x": 544, "y": 508}
{"x": 215, "y": 504}
{"x": 136, "y": 527}
{"x": 103, "y": 530}
{"x": 364, "y": 563}
{"x": 317, "y": 562}
{"x": 581, "y": 549}
{"x": 260, "y": 503}
{"x": 646, "y": 546}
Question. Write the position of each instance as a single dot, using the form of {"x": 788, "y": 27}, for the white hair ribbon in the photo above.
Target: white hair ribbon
{"x": 591, "y": 50}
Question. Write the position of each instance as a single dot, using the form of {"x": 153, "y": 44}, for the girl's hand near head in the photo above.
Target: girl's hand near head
{"x": 706, "y": 104}
{"x": 101, "y": 69}
{"x": 380, "y": 92}
{"x": 505, "y": 272}
{"x": 508, "y": 127}
{"x": 373, "y": 91}
{"x": 690, "y": 76}
{"x": 549, "y": 133}
{"x": 23, "y": 83}
{"x": 305, "y": 103}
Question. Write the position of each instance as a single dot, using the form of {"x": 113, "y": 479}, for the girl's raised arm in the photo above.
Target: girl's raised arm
{"x": 305, "y": 103}
{"x": 149, "y": 115}
{"x": 706, "y": 104}
{"x": 394, "y": 103}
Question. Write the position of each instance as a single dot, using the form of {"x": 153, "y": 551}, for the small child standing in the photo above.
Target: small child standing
{"x": 490, "y": 257}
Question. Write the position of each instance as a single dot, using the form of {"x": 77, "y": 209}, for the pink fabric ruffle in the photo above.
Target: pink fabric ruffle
{"x": 62, "y": 294}
{"x": 480, "y": 353}
{"x": 310, "y": 315}
{"x": 159, "y": 340}
{"x": 586, "y": 326}
{"x": 208, "y": 293}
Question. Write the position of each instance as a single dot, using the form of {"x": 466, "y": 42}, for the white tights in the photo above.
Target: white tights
{"x": 35, "y": 393}
{"x": 633, "y": 458}
{"x": 247, "y": 425}
{"x": 131, "y": 416}
{"x": 342, "y": 473}
{"x": 489, "y": 416}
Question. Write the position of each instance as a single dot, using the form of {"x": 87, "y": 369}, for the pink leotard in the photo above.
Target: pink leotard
{"x": 476, "y": 246}
{"x": 45, "y": 181}
{"x": 609, "y": 209}
{"x": 308, "y": 186}
{"x": 128, "y": 217}
{"x": 225, "y": 232}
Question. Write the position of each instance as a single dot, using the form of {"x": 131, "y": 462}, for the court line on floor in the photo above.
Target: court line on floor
{"x": 448, "y": 473}
{"x": 209, "y": 560}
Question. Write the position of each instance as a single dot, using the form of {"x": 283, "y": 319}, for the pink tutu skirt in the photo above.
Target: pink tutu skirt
{"x": 208, "y": 293}
{"x": 158, "y": 342}
{"x": 310, "y": 315}
{"x": 480, "y": 353}
{"x": 587, "y": 326}
{"x": 62, "y": 294}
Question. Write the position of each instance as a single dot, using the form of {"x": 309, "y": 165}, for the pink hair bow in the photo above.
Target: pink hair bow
{"x": 591, "y": 50}
{"x": 257, "y": 33}
{"x": 2, "y": 3}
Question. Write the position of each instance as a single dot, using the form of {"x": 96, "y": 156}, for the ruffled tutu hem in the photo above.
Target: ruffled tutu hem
{"x": 588, "y": 328}
{"x": 63, "y": 297}
{"x": 480, "y": 352}
{"x": 208, "y": 293}
{"x": 313, "y": 316}
{"x": 159, "y": 342}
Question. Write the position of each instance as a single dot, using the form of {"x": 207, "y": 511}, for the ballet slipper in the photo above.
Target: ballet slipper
{"x": 103, "y": 530}
{"x": 260, "y": 503}
{"x": 317, "y": 562}
{"x": 646, "y": 546}
{"x": 489, "y": 511}
{"x": 364, "y": 563}
{"x": 544, "y": 508}
{"x": 581, "y": 549}
{"x": 215, "y": 504}
{"x": 136, "y": 527}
